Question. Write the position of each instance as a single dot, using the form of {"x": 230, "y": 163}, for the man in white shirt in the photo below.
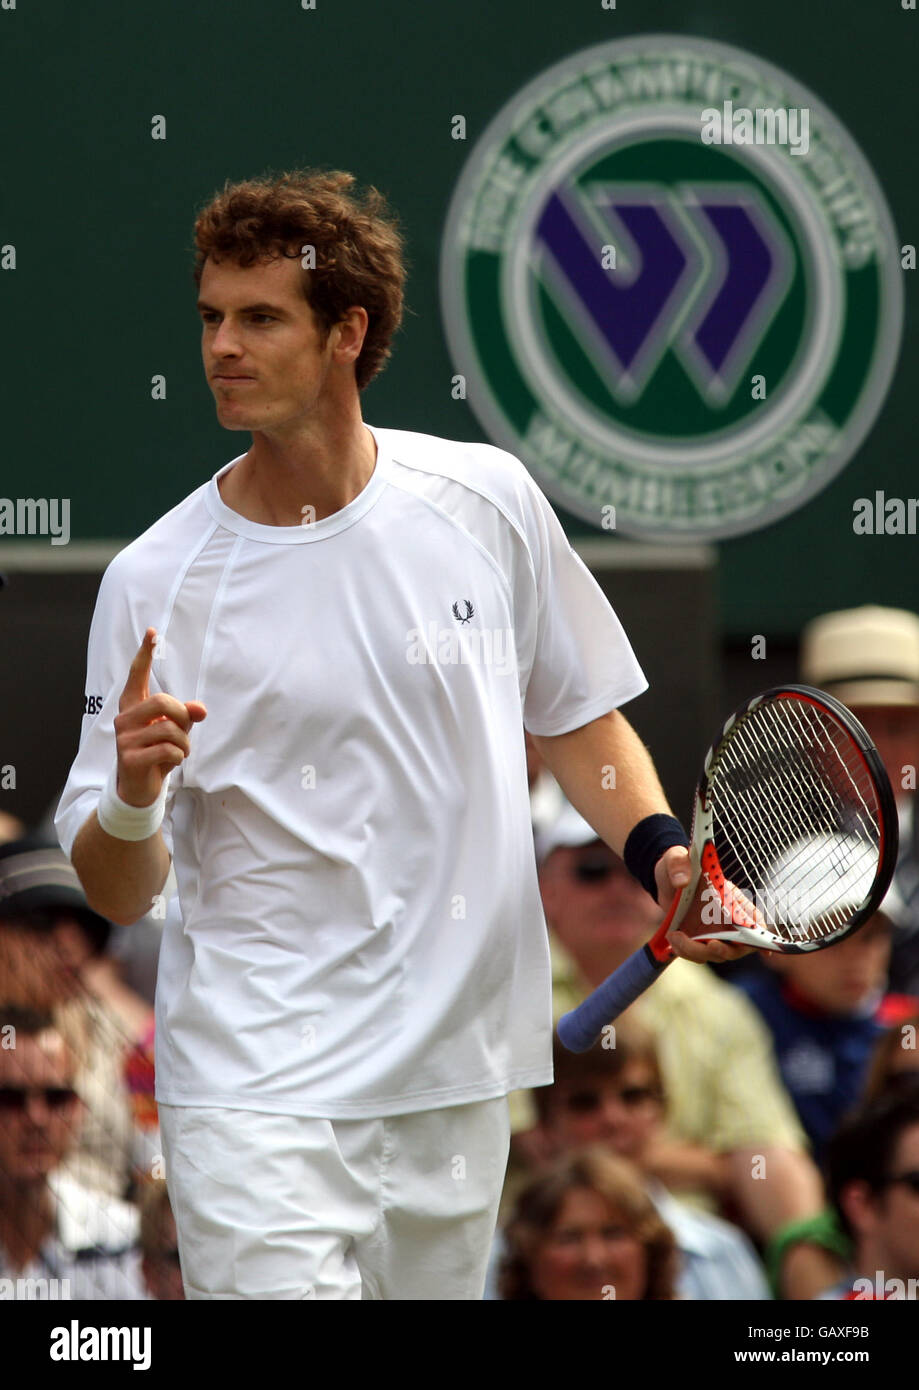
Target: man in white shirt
{"x": 360, "y": 621}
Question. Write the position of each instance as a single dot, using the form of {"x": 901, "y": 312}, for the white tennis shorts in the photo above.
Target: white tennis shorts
{"x": 279, "y": 1206}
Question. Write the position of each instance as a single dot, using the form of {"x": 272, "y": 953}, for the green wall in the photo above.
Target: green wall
{"x": 101, "y": 218}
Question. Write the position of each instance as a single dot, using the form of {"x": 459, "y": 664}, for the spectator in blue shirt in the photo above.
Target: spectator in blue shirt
{"x": 826, "y": 1011}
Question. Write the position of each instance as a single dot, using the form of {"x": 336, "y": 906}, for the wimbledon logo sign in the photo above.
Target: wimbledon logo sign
{"x": 688, "y": 334}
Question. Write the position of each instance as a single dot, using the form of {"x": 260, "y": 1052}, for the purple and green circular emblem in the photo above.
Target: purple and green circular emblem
{"x": 685, "y": 323}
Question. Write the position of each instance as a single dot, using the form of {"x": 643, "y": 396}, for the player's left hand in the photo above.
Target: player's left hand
{"x": 672, "y": 873}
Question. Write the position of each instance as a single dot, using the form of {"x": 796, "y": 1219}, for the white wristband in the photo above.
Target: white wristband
{"x": 126, "y": 822}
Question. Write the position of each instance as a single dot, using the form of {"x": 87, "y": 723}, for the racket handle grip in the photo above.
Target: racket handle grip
{"x": 579, "y": 1029}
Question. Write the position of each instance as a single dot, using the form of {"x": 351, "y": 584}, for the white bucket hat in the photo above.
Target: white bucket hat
{"x": 863, "y": 656}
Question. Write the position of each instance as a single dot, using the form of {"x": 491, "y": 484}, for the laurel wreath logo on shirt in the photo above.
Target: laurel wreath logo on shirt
{"x": 470, "y": 611}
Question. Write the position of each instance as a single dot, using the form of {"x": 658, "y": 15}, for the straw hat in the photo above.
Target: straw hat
{"x": 863, "y": 656}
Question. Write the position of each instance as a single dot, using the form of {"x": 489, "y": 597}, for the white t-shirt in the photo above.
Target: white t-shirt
{"x": 358, "y": 930}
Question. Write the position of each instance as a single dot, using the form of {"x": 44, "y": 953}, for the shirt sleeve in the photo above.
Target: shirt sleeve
{"x": 754, "y": 1106}
{"x": 114, "y": 637}
{"x": 582, "y": 662}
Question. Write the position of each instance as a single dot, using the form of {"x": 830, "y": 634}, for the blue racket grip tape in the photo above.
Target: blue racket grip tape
{"x": 580, "y": 1029}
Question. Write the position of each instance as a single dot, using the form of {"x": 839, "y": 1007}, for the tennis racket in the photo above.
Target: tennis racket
{"x": 795, "y": 829}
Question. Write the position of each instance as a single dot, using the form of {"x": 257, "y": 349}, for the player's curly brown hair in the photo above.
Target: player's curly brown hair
{"x": 539, "y": 1204}
{"x": 358, "y": 247}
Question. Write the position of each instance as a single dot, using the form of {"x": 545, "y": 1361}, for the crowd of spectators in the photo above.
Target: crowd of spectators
{"x": 82, "y": 1193}
{"x": 777, "y": 1097}
{"x": 748, "y": 1133}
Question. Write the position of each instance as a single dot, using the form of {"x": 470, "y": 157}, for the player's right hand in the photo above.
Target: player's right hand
{"x": 151, "y": 731}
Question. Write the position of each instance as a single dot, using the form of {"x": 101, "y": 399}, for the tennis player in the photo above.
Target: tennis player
{"x": 309, "y": 683}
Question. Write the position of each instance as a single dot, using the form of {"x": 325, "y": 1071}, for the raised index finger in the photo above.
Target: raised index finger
{"x": 137, "y": 686}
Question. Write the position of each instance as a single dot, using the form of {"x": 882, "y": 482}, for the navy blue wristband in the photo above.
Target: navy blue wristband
{"x": 645, "y": 845}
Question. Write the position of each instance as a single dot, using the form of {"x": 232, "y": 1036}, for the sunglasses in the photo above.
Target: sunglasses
{"x": 13, "y": 1098}
{"x": 910, "y": 1179}
{"x": 583, "y": 1102}
{"x": 594, "y": 869}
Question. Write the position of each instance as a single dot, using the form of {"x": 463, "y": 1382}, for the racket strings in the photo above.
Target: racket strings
{"x": 802, "y": 741}
{"x": 804, "y": 872}
{"x": 757, "y": 790}
{"x": 788, "y": 777}
{"x": 805, "y": 867}
{"x": 857, "y": 820}
{"x": 761, "y": 843}
{"x": 803, "y": 779}
{"x": 796, "y": 818}
{"x": 870, "y": 825}
{"x": 821, "y": 816}
{"x": 851, "y": 778}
